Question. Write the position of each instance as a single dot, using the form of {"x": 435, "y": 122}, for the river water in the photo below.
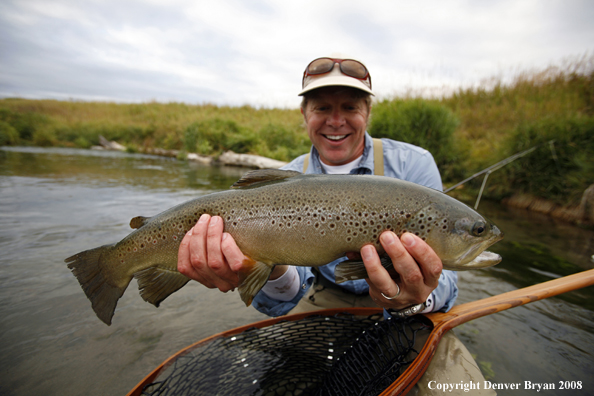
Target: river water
{"x": 57, "y": 202}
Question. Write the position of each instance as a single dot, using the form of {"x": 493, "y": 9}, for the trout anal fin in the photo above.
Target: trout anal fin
{"x": 355, "y": 269}
{"x": 157, "y": 283}
{"x": 253, "y": 275}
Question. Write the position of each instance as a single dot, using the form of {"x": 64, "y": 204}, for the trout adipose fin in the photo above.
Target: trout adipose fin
{"x": 139, "y": 221}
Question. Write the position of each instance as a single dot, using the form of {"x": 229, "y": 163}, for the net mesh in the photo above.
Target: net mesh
{"x": 342, "y": 354}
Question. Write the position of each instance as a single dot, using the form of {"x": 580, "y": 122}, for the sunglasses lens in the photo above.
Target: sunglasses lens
{"x": 320, "y": 66}
{"x": 353, "y": 69}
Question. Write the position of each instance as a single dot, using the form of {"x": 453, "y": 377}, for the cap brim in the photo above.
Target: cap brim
{"x": 333, "y": 81}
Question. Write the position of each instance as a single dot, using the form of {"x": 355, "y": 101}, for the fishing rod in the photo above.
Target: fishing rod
{"x": 500, "y": 164}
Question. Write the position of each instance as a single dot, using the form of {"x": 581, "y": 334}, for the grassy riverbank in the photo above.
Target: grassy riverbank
{"x": 466, "y": 131}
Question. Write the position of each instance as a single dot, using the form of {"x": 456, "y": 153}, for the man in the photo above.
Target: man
{"x": 336, "y": 107}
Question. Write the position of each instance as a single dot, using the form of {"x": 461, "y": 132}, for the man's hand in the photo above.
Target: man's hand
{"x": 210, "y": 256}
{"x": 417, "y": 269}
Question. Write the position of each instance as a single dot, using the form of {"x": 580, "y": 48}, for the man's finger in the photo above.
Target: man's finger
{"x": 216, "y": 260}
{"x": 428, "y": 261}
{"x": 377, "y": 274}
{"x": 232, "y": 253}
{"x": 197, "y": 245}
{"x": 183, "y": 256}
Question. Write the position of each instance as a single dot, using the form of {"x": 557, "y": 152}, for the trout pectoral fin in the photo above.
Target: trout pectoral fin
{"x": 157, "y": 283}
{"x": 138, "y": 221}
{"x": 355, "y": 269}
{"x": 253, "y": 275}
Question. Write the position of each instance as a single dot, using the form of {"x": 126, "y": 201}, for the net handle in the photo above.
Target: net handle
{"x": 460, "y": 314}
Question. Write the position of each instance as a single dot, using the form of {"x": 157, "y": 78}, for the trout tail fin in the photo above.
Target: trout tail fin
{"x": 252, "y": 277}
{"x": 86, "y": 268}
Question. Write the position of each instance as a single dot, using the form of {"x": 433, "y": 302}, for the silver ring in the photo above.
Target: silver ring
{"x": 394, "y": 296}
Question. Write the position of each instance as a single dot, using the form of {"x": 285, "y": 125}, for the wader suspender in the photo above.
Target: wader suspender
{"x": 378, "y": 158}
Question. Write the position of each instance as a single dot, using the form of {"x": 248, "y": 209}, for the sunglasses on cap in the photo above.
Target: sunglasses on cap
{"x": 349, "y": 67}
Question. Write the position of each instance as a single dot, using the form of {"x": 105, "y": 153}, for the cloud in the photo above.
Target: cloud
{"x": 235, "y": 52}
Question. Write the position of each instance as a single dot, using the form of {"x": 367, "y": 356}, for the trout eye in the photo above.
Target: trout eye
{"x": 478, "y": 228}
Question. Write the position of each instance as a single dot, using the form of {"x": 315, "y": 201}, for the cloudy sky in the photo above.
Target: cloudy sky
{"x": 232, "y": 52}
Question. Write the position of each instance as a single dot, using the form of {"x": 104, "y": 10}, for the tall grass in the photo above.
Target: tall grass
{"x": 466, "y": 131}
{"x": 79, "y": 124}
{"x": 555, "y": 103}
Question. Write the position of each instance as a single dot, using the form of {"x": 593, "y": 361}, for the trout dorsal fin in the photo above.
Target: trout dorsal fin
{"x": 260, "y": 176}
{"x": 138, "y": 221}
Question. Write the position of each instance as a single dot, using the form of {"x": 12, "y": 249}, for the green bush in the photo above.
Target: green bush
{"x": 8, "y": 135}
{"x": 281, "y": 143}
{"x": 217, "y": 135}
{"x": 44, "y": 137}
{"x": 25, "y": 123}
{"x": 425, "y": 124}
{"x": 561, "y": 172}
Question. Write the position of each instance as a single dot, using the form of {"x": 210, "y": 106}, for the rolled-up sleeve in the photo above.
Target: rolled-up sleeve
{"x": 273, "y": 307}
{"x": 446, "y": 292}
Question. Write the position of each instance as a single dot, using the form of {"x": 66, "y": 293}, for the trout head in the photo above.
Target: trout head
{"x": 459, "y": 235}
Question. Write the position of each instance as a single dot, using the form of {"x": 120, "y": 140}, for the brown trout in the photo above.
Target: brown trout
{"x": 284, "y": 217}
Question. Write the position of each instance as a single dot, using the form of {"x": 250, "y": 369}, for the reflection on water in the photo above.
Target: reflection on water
{"x": 56, "y": 202}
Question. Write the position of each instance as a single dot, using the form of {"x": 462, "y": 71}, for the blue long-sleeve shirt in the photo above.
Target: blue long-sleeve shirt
{"x": 402, "y": 161}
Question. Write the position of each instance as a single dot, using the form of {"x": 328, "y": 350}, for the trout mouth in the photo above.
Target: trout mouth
{"x": 477, "y": 256}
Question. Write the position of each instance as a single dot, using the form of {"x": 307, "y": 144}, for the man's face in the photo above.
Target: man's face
{"x": 336, "y": 123}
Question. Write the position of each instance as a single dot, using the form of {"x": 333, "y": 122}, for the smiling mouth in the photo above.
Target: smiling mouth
{"x": 335, "y": 138}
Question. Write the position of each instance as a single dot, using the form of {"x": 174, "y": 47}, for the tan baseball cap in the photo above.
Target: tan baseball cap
{"x": 336, "y": 77}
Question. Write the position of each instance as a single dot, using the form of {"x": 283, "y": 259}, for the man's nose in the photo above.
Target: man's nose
{"x": 336, "y": 119}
